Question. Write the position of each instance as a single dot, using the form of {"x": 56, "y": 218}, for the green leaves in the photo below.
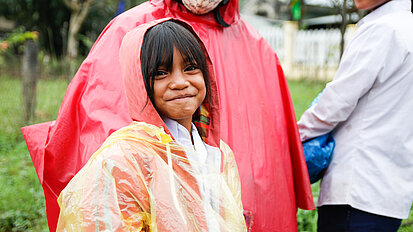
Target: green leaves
{"x": 17, "y": 38}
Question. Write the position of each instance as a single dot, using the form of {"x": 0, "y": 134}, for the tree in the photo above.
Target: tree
{"x": 52, "y": 19}
{"x": 79, "y": 10}
{"x": 344, "y": 8}
{"x": 44, "y": 16}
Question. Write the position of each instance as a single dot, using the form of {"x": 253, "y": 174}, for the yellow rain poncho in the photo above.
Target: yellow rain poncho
{"x": 142, "y": 180}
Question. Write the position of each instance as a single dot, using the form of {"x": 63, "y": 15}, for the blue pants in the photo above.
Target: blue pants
{"x": 344, "y": 218}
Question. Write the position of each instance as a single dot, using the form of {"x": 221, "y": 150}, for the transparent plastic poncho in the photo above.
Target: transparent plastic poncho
{"x": 141, "y": 180}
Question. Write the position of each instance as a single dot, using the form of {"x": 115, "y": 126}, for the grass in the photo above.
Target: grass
{"x": 303, "y": 92}
{"x": 22, "y": 206}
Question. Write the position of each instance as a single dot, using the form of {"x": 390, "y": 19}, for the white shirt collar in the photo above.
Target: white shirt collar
{"x": 389, "y": 7}
{"x": 182, "y": 136}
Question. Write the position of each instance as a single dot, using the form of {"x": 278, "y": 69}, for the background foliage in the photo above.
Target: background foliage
{"x": 22, "y": 206}
{"x": 51, "y": 18}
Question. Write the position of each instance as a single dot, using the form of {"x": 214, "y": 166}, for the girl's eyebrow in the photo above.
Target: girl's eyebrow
{"x": 190, "y": 60}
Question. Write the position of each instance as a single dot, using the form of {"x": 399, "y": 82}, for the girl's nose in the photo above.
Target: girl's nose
{"x": 179, "y": 81}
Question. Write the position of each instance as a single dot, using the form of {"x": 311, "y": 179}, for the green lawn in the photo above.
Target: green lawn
{"x": 22, "y": 206}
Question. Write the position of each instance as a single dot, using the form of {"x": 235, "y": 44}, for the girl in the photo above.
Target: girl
{"x": 164, "y": 172}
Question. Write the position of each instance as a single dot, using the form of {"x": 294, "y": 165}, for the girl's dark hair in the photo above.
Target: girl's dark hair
{"x": 158, "y": 49}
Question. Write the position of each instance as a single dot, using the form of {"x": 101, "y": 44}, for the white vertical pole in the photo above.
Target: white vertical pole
{"x": 290, "y": 31}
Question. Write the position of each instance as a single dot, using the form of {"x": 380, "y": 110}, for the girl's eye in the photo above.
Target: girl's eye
{"x": 191, "y": 68}
{"x": 160, "y": 74}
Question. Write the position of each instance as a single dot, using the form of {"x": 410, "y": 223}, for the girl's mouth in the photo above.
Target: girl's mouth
{"x": 183, "y": 96}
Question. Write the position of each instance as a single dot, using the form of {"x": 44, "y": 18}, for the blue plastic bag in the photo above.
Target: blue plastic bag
{"x": 318, "y": 152}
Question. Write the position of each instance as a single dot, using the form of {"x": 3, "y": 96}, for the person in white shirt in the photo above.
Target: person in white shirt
{"x": 368, "y": 108}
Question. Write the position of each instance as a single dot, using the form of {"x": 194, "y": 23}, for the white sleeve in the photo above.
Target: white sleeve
{"x": 371, "y": 49}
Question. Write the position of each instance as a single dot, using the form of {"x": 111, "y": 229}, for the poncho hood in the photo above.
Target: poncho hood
{"x": 140, "y": 107}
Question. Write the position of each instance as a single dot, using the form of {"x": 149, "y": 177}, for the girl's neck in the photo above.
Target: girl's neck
{"x": 187, "y": 123}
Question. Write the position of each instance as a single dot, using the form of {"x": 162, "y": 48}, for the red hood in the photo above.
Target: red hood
{"x": 139, "y": 108}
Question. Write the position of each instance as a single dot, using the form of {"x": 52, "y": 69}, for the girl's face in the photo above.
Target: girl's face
{"x": 178, "y": 93}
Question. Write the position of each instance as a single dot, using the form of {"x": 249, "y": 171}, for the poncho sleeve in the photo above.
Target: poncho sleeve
{"x": 231, "y": 175}
{"x": 108, "y": 194}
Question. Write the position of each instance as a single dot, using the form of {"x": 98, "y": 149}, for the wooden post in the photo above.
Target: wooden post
{"x": 350, "y": 30}
{"x": 30, "y": 74}
{"x": 290, "y": 32}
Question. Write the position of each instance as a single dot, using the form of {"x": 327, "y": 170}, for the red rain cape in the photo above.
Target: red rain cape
{"x": 257, "y": 115}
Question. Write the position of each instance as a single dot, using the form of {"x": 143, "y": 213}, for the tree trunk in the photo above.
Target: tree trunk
{"x": 343, "y": 26}
{"x": 72, "y": 42}
{"x": 79, "y": 10}
{"x": 30, "y": 74}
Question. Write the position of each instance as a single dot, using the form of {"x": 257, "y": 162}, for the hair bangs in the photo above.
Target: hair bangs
{"x": 188, "y": 46}
{"x": 161, "y": 50}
